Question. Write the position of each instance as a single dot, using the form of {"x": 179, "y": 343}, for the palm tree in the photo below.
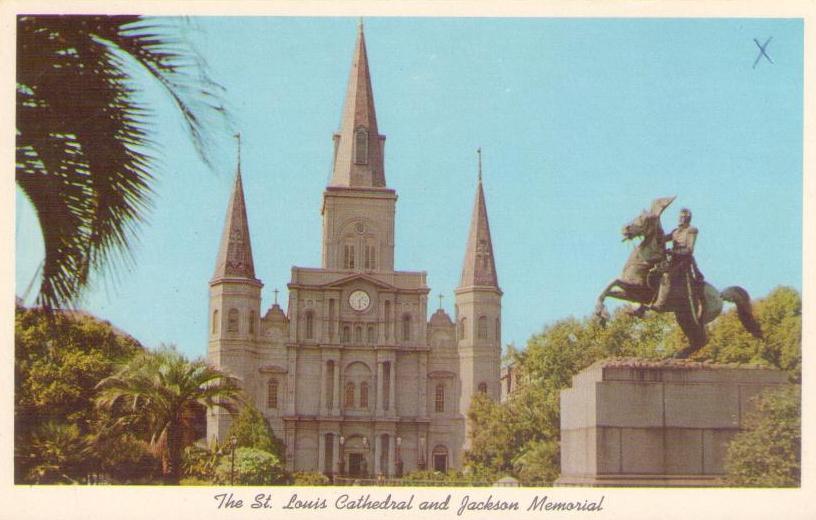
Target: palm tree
{"x": 161, "y": 389}
{"x": 84, "y": 152}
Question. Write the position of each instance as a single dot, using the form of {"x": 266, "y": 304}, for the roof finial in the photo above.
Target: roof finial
{"x": 440, "y": 301}
{"x": 360, "y": 24}
{"x": 276, "y": 295}
{"x": 479, "y": 153}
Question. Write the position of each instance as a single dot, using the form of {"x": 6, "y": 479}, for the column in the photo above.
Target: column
{"x": 321, "y": 451}
{"x": 337, "y": 398}
{"x": 392, "y": 383}
{"x": 377, "y": 452}
{"x": 293, "y": 324}
{"x": 336, "y": 454}
{"x": 322, "y": 405}
{"x": 423, "y": 384}
{"x": 379, "y": 410}
{"x": 291, "y": 381}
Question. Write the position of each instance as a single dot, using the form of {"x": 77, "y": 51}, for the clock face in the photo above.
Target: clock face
{"x": 359, "y": 300}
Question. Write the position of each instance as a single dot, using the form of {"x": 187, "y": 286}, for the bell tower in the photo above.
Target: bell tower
{"x": 358, "y": 208}
{"x": 235, "y": 300}
{"x": 478, "y": 309}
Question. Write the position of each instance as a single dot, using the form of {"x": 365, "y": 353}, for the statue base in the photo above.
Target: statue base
{"x": 629, "y": 422}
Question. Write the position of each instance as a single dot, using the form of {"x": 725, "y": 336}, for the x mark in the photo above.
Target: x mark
{"x": 762, "y": 52}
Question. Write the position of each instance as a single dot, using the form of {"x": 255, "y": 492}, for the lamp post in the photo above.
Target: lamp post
{"x": 421, "y": 461}
{"x": 234, "y": 444}
{"x": 399, "y": 457}
{"x": 365, "y": 458}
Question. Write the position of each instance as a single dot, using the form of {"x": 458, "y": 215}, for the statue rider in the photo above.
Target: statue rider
{"x": 681, "y": 261}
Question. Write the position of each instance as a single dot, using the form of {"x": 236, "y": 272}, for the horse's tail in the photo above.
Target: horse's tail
{"x": 739, "y": 296}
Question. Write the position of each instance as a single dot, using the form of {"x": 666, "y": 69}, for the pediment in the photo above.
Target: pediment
{"x": 346, "y": 280}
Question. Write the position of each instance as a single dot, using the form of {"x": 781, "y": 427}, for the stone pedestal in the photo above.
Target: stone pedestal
{"x": 627, "y": 422}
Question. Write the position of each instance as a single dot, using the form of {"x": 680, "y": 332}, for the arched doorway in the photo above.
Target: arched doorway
{"x": 439, "y": 456}
{"x": 355, "y": 451}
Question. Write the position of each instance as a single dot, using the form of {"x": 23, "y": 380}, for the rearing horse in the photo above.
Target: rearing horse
{"x": 693, "y": 308}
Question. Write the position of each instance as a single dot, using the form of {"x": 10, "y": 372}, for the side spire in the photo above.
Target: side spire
{"x": 479, "y": 268}
{"x": 235, "y": 252}
{"x": 358, "y": 152}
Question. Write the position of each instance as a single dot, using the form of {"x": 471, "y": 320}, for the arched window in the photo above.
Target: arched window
{"x": 406, "y": 327}
{"x": 348, "y": 256}
{"x": 309, "y": 325}
{"x": 358, "y": 334}
{"x": 361, "y": 146}
{"x": 232, "y": 320}
{"x": 252, "y": 322}
{"x": 215, "y": 322}
{"x": 387, "y": 319}
{"x": 463, "y": 328}
{"x": 482, "y": 388}
{"x": 372, "y": 334}
{"x": 348, "y": 397}
{"x": 498, "y": 330}
{"x": 272, "y": 394}
{"x": 482, "y": 327}
{"x": 370, "y": 257}
{"x": 346, "y": 334}
{"x": 439, "y": 398}
{"x": 364, "y": 395}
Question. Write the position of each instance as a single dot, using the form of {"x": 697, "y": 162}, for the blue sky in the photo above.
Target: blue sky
{"x": 582, "y": 122}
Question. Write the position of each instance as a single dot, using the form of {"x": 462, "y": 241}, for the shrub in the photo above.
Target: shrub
{"x": 768, "y": 453}
{"x": 253, "y": 467}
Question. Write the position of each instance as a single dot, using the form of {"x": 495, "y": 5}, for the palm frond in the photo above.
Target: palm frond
{"x": 84, "y": 152}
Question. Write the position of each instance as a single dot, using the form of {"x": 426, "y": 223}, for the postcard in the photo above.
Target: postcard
{"x": 477, "y": 260}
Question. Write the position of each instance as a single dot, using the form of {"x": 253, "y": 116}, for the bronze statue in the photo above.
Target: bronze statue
{"x": 669, "y": 281}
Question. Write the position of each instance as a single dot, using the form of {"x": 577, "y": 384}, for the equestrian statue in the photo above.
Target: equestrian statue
{"x": 668, "y": 280}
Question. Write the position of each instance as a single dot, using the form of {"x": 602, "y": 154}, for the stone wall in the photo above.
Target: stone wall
{"x": 627, "y": 422}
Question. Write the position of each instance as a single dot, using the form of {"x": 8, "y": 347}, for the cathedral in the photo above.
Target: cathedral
{"x": 353, "y": 377}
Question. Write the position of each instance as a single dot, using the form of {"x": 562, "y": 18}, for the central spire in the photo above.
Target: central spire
{"x": 358, "y": 147}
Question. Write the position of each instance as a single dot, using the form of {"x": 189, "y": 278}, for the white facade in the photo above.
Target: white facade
{"x": 353, "y": 377}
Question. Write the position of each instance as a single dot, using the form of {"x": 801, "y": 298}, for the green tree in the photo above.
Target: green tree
{"x": 59, "y": 359}
{"x": 539, "y": 463}
{"x": 522, "y": 435}
{"x": 84, "y": 147}
{"x": 252, "y": 467}
{"x": 780, "y": 315}
{"x": 161, "y": 388}
{"x": 768, "y": 452}
{"x": 252, "y": 430}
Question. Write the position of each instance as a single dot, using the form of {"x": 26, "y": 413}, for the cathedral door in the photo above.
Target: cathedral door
{"x": 440, "y": 463}
{"x": 356, "y": 464}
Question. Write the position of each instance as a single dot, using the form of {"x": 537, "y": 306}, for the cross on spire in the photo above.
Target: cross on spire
{"x": 479, "y": 153}
{"x": 238, "y": 139}
{"x": 276, "y": 295}
{"x": 440, "y": 300}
